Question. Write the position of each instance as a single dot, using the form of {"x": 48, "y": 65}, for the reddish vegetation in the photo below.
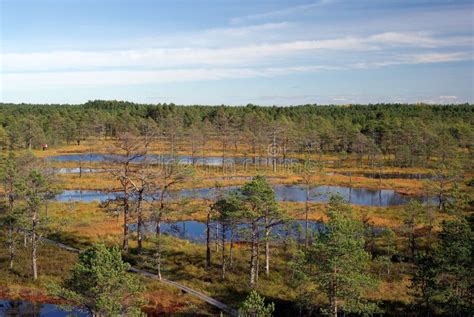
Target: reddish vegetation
{"x": 28, "y": 294}
{"x": 162, "y": 303}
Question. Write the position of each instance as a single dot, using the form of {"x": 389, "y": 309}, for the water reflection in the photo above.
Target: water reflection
{"x": 163, "y": 158}
{"x": 77, "y": 170}
{"x": 196, "y": 231}
{"x": 287, "y": 193}
{"x": 14, "y": 308}
{"x": 389, "y": 175}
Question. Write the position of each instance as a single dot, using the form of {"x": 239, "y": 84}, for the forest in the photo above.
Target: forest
{"x": 113, "y": 208}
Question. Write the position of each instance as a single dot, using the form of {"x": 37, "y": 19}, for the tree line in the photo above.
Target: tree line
{"x": 403, "y": 135}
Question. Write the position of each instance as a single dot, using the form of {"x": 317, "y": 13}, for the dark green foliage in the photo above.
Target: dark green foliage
{"x": 254, "y": 306}
{"x": 424, "y": 284}
{"x": 338, "y": 265}
{"x": 101, "y": 285}
{"x": 258, "y": 197}
{"x": 407, "y": 135}
{"x": 256, "y": 205}
{"x": 456, "y": 267}
{"x": 443, "y": 281}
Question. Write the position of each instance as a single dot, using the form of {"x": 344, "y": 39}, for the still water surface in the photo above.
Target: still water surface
{"x": 15, "y": 308}
{"x": 196, "y": 231}
{"x": 163, "y": 158}
{"x": 389, "y": 175}
{"x": 288, "y": 193}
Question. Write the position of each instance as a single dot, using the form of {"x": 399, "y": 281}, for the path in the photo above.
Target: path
{"x": 195, "y": 293}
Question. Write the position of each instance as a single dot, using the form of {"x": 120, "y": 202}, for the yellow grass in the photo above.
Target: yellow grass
{"x": 81, "y": 224}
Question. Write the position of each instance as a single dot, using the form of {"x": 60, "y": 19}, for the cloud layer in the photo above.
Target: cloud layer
{"x": 390, "y": 48}
{"x": 293, "y": 40}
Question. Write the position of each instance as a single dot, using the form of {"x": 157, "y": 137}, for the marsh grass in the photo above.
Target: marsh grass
{"x": 80, "y": 224}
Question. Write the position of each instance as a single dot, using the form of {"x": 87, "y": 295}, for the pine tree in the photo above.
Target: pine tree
{"x": 338, "y": 263}
{"x": 35, "y": 190}
{"x": 101, "y": 285}
{"x": 254, "y": 306}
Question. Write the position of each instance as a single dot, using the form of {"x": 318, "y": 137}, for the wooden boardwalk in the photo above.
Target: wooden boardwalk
{"x": 214, "y": 302}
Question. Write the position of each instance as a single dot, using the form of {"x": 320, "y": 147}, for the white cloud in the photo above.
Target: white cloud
{"x": 15, "y": 81}
{"x": 419, "y": 39}
{"x": 421, "y": 58}
{"x": 228, "y": 56}
{"x": 219, "y": 37}
{"x": 171, "y": 57}
{"x": 282, "y": 12}
{"x": 448, "y": 97}
{"x": 439, "y": 57}
{"x": 39, "y": 80}
{"x": 395, "y": 38}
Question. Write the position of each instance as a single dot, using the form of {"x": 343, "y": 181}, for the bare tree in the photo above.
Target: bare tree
{"x": 170, "y": 175}
{"x": 210, "y": 216}
{"x": 444, "y": 177}
{"x": 225, "y": 130}
{"x": 143, "y": 182}
{"x": 127, "y": 150}
{"x": 35, "y": 190}
{"x": 308, "y": 172}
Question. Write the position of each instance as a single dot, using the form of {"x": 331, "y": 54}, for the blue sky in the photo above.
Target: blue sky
{"x": 237, "y": 52}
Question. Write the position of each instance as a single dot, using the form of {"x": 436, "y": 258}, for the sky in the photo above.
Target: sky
{"x": 237, "y": 52}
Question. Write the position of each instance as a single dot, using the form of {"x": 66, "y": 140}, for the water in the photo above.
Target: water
{"x": 182, "y": 159}
{"x": 77, "y": 170}
{"x": 390, "y": 175}
{"x": 355, "y": 196}
{"x": 84, "y": 196}
{"x": 80, "y": 158}
{"x": 286, "y": 193}
{"x": 196, "y": 231}
{"x": 14, "y": 308}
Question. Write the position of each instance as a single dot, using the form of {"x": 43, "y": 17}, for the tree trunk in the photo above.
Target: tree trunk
{"x": 334, "y": 293}
{"x": 125, "y": 223}
{"x": 306, "y": 207}
{"x": 441, "y": 201}
{"x": 412, "y": 243}
{"x": 11, "y": 199}
{"x": 253, "y": 256}
{"x": 223, "y": 253}
{"x": 158, "y": 224}
{"x": 231, "y": 255}
{"x": 257, "y": 271}
{"x": 158, "y": 250}
{"x": 193, "y": 152}
{"x": 224, "y": 146}
{"x": 33, "y": 244}
{"x": 11, "y": 246}
{"x": 267, "y": 251}
{"x": 216, "y": 237}
{"x": 140, "y": 224}
{"x": 208, "y": 240}
{"x": 126, "y": 207}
